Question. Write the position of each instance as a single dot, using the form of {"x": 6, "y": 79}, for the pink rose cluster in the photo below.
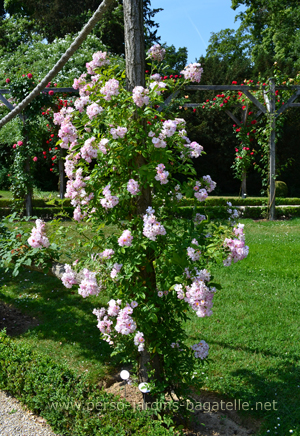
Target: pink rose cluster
{"x": 199, "y": 218}
{"x": 156, "y": 53}
{"x": 157, "y": 86}
{"x": 89, "y": 150}
{"x": 162, "y": 175}
{"x": 93, "y": 110}
{"x": 197, "y": 295}
{"x": 103, "y": 145}
{"x": 195, "y": 149}
{"x": 125, "y": 325}
{"x": 234, "y": 214}
{"x": 115, "y": 270}
{"x": 133, "y": 187}
{"x": 110, "y": 89}
{"x": 200, "y": 194}
{"x": 109, "y": 201}
{"x": 89, "y": 285}
{"x": 80, "y": 82}
{"x": 139, "y": 341}
{"x": 139, "y": 95}
{"x": 152, "y": 228}
{"x": 210, "y": 183}
{"x": 125, "y": 239}
{"x": 192, "y": 72}
{"x": 119, "y": 132}
{"x": 77, "y": 193}
{"x": 69, "y": 278}
{"x": 38, "y": 238}
{"x": 192, "y": 253}
{"x": 81, "y": 102}
{"x": 201, "y": 350}
{"x": 237, "y": 247}
{"x": 67, "y": 132}
{"x": 158, "y": 142}
{"x": 106, "y": 254}
{"x": 99, "y": 60}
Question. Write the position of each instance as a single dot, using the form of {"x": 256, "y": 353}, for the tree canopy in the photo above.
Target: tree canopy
{"x": 274, "y": 32}
{"x": 57, "y": 18}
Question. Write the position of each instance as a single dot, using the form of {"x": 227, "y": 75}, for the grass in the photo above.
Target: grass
{"x": 254, "y": 333}
{"x": 67, "y": 328}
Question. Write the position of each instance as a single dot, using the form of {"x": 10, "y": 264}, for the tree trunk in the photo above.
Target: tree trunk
{"x": 134, "y": 43}
{"x": 272, "y": 175}
{"x": 62, "y": 177}
{"x": 244, "y": 185}
{"x": 28, "y": 195}
{"x": 135, "y": 76}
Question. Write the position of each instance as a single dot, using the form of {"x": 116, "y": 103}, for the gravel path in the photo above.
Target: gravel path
{"x": 15, "y": 420}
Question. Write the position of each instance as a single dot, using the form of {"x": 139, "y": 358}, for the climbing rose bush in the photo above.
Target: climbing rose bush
{"x": 124, "y": 159}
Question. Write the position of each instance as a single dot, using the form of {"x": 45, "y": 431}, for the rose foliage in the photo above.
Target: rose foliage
{"x": 124, "y": 163}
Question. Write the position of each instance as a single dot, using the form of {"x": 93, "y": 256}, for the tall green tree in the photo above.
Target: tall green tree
{"x": 274, "y": 29}
{"x": 56, "y": 18}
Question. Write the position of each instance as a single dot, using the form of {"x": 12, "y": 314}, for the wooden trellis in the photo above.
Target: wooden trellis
{"x": 270, "y": 101}
{"x": 270, "y": 107}
{"x": 62, "y": 180}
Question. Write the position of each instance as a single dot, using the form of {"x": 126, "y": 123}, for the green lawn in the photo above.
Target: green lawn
{"x": 254, "y": 333}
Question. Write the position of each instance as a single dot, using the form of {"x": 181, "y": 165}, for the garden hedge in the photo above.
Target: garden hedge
{"x": 66, "y": 401}
{"x": 215, "y": 207}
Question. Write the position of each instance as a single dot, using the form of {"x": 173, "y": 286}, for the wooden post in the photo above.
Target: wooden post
{"x": 135, "y": 76}
{"x": 28, "y": 195}
{"x": 272, "y": 173}
{"x": 62, "y": 178}
{"x": 244, "y": 185}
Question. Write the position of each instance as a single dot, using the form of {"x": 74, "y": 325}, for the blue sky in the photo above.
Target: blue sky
{"x": 189, "y": 23}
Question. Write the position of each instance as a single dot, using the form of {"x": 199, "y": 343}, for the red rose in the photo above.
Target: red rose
{"x": 234, "y": 83}
{"x": 238, "y": 130}
{"x": 51, "y": 92}
{"x": 253, "y": 122}
{"x": 176, "y": 76}
{"x": 51, "y": 169}
{"x": 7, "y": 80}
{"x": 29, "y": 75}
{"x": 52, "y": 136}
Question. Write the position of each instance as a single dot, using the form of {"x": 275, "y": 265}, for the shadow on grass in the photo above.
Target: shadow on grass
{"x": 65, "y": 318}
{"x": 273, "y": 391}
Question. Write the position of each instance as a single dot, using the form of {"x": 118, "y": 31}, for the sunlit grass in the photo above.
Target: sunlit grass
{"x": 253, "y": 334}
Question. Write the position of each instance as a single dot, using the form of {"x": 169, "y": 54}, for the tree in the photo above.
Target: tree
{"x": 55, "y": 19}
{"x": 273, "y": 26}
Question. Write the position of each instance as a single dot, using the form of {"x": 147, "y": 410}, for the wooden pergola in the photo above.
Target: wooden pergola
{"x": 62, "y": 179}
{"x": 268, "y": 108}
